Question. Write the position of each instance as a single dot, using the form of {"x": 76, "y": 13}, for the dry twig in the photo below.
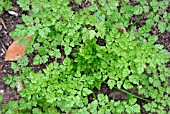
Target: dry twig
{"x": 3, "y": 23}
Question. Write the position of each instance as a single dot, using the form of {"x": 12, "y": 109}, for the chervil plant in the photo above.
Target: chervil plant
{"x": 125, "y": 60}
{"x": 5, "y": 4}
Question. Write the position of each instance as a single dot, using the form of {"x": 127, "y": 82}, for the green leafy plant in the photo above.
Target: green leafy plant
{"x": 5, "y": 4}
{"x": 22, "y": 62}
{"x": 126, "y": 60}
{"x": 11, "y": 80}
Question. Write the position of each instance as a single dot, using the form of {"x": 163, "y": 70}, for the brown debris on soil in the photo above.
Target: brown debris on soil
{"x": 9, "y": 23}
{"x": 16, "y": 51}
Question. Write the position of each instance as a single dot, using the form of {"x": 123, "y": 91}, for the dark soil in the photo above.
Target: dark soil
{"x": 11, "y": 21}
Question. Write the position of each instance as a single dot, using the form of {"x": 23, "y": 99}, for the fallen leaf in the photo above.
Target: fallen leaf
{"x": 28, "y": 38}
{"x": 15, "y": 51}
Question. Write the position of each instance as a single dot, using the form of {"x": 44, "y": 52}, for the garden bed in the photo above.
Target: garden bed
{"x": 9, "y": 23}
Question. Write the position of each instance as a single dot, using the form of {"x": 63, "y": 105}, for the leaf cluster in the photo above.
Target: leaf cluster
{"x": 5, "y": 4}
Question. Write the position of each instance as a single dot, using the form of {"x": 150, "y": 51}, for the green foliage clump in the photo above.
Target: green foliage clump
{"x": 126, "y": 60}
{"x": 5, "y": 4}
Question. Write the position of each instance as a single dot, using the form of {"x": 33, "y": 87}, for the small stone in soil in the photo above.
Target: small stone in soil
{"x": 13, "y": 13}
{"x": 1, "y": 91}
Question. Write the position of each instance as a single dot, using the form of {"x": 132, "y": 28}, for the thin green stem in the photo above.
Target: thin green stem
{"x": 94, "y": 95}
{"x": 133, "y": 95}
{"x": 132, "y": 26}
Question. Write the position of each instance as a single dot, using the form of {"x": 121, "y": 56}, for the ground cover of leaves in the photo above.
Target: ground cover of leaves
{"x": 5, "y": 69}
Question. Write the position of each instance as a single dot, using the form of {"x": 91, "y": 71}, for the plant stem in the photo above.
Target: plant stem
{"x": 133, "y": 95}
{"x": 94, "y": 95}
{"x": 132, "y": 26}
